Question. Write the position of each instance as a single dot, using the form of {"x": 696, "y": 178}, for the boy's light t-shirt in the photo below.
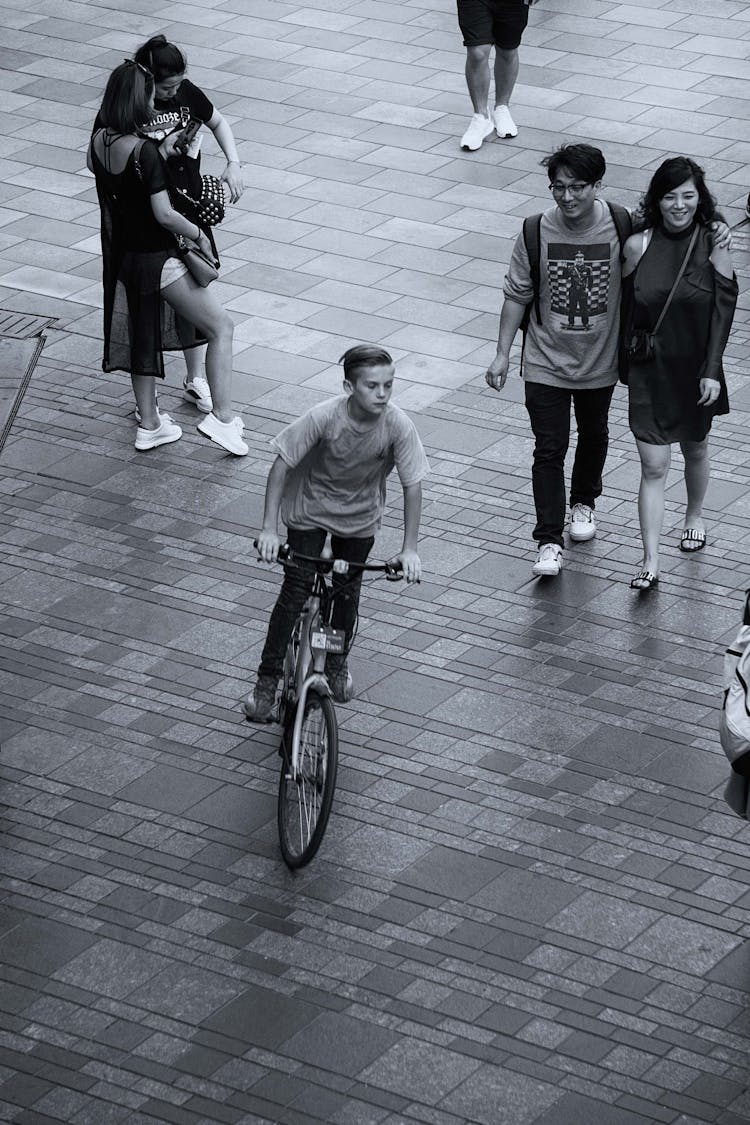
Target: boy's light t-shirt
{"x": 339, "y": 467}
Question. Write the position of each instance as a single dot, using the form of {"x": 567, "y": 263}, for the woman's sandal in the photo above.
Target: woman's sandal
{"x": 645, "y": 580}
{"x": 692, "y": 540}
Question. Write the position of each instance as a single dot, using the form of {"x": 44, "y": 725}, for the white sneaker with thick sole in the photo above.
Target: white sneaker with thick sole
{"x": 226, "y": 434}
{"x": 199, "y": 393}
{"x": 504, "y": 124}
{"x": 479, "y": 129}
{"x": 548, "y": 561}
{"x": 582, "y": 523}
{"x": 166, "y": 432}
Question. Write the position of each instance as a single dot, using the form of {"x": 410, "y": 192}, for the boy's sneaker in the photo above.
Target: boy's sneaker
{"x": 260, "y": 705}
{"x": 548, "y": 560}
{"x": 340, "y": 679}
{"x": 166, "y": 431}
{"x": 226, "y": 434}
{"x": 504, "y": 124}
{"x": 199, "y": 393}
{"x": 480, "y": 127}
{"x": 582, "y": 523}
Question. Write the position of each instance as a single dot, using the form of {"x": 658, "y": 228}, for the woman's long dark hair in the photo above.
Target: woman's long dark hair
{"x": 126, "y": 105}
{"x": 162, "y": 58}
{"x": 669, "y": 175}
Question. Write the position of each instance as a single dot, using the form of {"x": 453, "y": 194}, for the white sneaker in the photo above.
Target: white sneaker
{"x": 226, "y": 434}
{"x": 480, "y": 127}
{"x": 149, "y": 439}
{"x": 548, "y": 561}
{"x": 582, "y": 523}
{"x": 505, "y": 126}
{"x": 199, "y": 393}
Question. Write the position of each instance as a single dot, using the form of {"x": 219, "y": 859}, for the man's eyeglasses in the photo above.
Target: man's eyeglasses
{"x": 576, "y": 189}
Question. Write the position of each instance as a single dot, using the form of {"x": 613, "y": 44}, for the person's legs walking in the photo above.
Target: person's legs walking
{"x": 475, "y": 21}
{"x": 697, "y": 474}
{"x": 592, "y": 414}
{"x": 508, "y": 25}
{"x": 655, "y": 462}
{"x": 506, "y": 73}
{"x": 549, "y": 413}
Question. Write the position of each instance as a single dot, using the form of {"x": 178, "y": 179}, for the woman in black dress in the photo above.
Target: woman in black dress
{"x": 674, "y": 395}
{"x": 151, "y": 302}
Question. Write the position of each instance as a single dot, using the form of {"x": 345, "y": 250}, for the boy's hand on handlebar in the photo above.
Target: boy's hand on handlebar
{"x": 268, "y": 544}
{"x": 411, "y": 564}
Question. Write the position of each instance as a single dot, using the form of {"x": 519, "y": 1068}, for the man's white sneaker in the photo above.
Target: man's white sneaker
{"x": 199, "y": 393}
{"x": 480, "y": 127}
{"x": 548, "y": 560}
{"x": 149, "y": 439}
{"x": 226, "y": 434}
{"x": 582, "y": 523}
{"x": 505, "y": 126}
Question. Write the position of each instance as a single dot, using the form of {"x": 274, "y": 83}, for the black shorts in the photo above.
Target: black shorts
{"x": 501, "y": 22}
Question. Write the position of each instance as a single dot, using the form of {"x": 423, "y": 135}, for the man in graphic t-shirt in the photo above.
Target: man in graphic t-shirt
{"x": 580, "y": 272}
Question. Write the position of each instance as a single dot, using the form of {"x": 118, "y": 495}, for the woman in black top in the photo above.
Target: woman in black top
{"x": 675, "y": 394}
{"x": 151, "y": 302}
{"x": 176, "y": 101}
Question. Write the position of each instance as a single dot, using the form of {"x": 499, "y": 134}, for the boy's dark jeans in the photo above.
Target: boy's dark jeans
{"x": 296, "y": 587}
{"x": 549, "y": 411}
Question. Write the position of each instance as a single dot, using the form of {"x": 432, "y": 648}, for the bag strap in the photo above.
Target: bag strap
{"x": 532, "y": 237}
{"x": 677, "y": 281}
{"x": 137, "y": 157}
{"x": 623, "y": 222}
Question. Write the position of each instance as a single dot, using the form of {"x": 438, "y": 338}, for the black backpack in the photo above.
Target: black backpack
{"x": 623, "y": 221}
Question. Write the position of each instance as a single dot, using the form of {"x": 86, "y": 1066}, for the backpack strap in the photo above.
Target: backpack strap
{"x": 532, "y": 238}
{"x": 623, "y": 221}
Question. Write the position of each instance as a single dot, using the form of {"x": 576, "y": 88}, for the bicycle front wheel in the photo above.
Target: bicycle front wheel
{"x": 305, "y": 800}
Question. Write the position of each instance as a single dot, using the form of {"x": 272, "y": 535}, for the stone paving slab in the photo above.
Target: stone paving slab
{"x": 532, "y": 906}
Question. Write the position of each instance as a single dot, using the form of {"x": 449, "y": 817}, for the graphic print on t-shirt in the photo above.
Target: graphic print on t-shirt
{"x": 578, "y": 284}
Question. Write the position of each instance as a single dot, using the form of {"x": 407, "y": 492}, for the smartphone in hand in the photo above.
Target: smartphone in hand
{"x": 187, "y": 135}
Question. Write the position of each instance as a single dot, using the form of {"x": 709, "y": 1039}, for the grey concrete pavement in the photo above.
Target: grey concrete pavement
{"x": 532, "y": 906}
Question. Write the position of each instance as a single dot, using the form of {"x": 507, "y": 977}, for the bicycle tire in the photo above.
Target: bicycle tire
{"x": 304, "y": 804}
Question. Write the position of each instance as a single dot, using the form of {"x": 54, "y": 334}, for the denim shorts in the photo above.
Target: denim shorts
{"x": 498, "y": 22}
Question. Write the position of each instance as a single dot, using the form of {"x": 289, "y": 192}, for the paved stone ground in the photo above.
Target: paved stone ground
{"x": 532, "y": 906}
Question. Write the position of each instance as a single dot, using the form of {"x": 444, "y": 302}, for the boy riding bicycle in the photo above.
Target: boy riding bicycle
{"x": 329, "y": 477}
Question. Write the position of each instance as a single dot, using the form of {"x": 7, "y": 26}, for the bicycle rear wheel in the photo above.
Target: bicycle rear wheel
{"x": 305, "y": 801}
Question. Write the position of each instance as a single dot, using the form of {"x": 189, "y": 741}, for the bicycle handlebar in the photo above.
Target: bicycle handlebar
{"x": 324, "y": 565}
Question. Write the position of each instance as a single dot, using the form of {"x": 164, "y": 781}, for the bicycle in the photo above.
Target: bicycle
{"x": 309, "y": 742}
